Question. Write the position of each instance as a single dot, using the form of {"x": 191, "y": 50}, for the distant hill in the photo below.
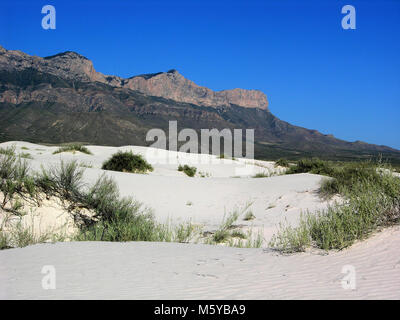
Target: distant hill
{"x": 62, "y": 98}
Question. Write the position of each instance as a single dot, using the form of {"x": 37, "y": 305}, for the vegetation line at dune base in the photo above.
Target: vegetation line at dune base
{"x": 371, "y": 200}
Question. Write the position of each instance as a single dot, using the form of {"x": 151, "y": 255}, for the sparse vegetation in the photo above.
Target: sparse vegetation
{"x": 313, "y": 165}
{"x": 111, "y": 217}
{"x": 14, "y": 179}
{"x": 189, "y": 171}
{"x": 8, "y": 151}
{"x": 74, "y": 147}
{"x": 99, "y": 213}
{"x": 19, "y": 236}
{"x": 238, "y": 234}
{"x": 371, "y": 195}
{"x": 264, "y": 174}
{"x": 229, "y": 234}
{"x": 85, "y": 165}
{"x": 249, "y": 216}
{"x": 223, "y": 156}
{"x": 127, "y": 162}
{"x": 282, "y": 162}
{"x": 25, "y": 155}
{"x": 204, "y": 174}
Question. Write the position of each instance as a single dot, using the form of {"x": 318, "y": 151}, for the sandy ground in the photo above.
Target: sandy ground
{"x": 139, "y": 270}
{"x": 193, "y": 271}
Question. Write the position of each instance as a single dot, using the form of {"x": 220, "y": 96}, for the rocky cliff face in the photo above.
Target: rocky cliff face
{"x": 170, "y": 85}
{"x": 173, "y": 85}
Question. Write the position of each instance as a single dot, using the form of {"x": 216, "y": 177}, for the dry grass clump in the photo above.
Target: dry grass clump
{"x": 74, "y": 147}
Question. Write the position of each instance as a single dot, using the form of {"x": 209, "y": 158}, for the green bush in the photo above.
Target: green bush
{"x": 73, "y": 148}
{"x": 127, "y": 162}
{"x": 282, "y": 162}
{"x": 313, "y": 165}
{"x": 64, "y": 181}
{"x": 189, "y": 171}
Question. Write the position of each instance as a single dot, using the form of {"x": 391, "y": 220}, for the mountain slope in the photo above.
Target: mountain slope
{"x": 62, "y": 99}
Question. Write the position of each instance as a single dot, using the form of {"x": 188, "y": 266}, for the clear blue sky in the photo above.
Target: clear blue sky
{"x": 315, "y": 74}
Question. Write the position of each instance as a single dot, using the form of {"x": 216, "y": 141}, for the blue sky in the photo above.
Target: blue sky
{"x": 314, "y": 73}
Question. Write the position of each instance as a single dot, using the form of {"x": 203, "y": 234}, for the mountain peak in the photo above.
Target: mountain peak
{"x": 67, "y": 54}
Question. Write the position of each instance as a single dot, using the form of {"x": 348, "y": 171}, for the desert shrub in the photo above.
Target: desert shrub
{"x": 314, "y": 165}
{"x": 189, "y": 171}
{"x": 238, "y": 234}
{"x": 371, "y": 201}
{"x": 14, "y": 178}
{"x": 345, "y": 176}
{"x": 222, "y": 233}
{"x": 73, "y": 148}
{"x": 262, "y": 175}
{"x": 19, "y": 236}
{"x": 185, "y": 232}
{"x": 64, "y": 181}
{"x": 25, "y": 236}
{"x": 282, "y": 162}
{"x": 127, "y": 162}
{"x": 133, "y": 228}
{"x": 103, "y": 197}
{"x": 290, "y": 239}
{"x": 123, "y": 219}
{"x": 110, "y": 218}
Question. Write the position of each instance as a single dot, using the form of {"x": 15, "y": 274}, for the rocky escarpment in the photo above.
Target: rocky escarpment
{"x": 173, "y": 85}
{"x": 170, "y": 85}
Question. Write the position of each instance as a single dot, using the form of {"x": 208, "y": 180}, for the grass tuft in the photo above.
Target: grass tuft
{"x": 74, "y": 147}
{"x": 282, "y": 162}
{"x": 189, "y": 171}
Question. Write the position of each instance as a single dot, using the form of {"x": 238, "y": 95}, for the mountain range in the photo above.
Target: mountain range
{"x": 62, "y": 98}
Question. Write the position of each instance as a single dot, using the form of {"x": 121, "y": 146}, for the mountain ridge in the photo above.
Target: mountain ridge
{"x": 170, "y": 84}
{"x": 39, "y": 106}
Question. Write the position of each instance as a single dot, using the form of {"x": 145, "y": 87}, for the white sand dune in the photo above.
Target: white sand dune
{"x": 174, "y": 196}
{"x": 189, "y": 271}
{"x": 139, "y": 270}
